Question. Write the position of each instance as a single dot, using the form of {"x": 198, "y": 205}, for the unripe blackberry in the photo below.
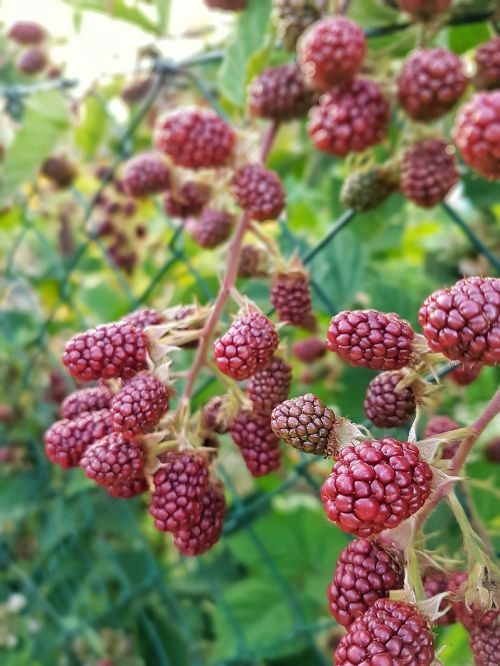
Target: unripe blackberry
{"x": 252, "y": 434}
{"x": 116, "y": 462}
{"x": 59, "y": 170}
{"x": 206, "y": 532}
{"x": 309, "y": 350}
{"x": 435, "y": 581}
{"x": 476, "y": 133}
{"x": 280, "y": 93}
{"x": 366, "y": 189}
{"x": 471, "y": 617}
{"x": 384, "y": 405}
{"x": 142, "y": 318}
{"x": 488, "y": 65}
{"x": 85, "y": 400}
{"x": 178, "y": 489}
{"x": 259, "y": 192}
{"x": 430, "y": 83}
{"x": 428, "y": 172}
{"x": 188, "y": 201}
{"x": 439, "y": 424}
{"x": 248, "y": 345}
{"x": 194, "y": 138}
{"x": 485, "y": 645}
{"x": 251, "y": 262}
{"x": 465, "y": 374}
{"x": 137, "y": 89}
{"x": 371, "y": 339}
{"x": 213, "y": 415}
{"x": 331, "y": 51}
{"x": 227, "y": 5}
{"x": 365, "y": 571}
{"x": 67, "y": 440}
{"x": 376, "y": 485}
{"x": 463, "y": 321}
{"x": 305, "y": 423}
{"x": 27, "y": 32}
{"x": 390, "y": 632}
{"x": 145, "y": 174}
{"x": 424, "y": 9}
{"x": 492, "y": 450}
{"x": 213, "y": 227}
{"x": 110, "y": 350}
{"x": 291, "y": 297}
{"x": 140, "y": 404}
{"x": 349, "y": 119}
{"x": 32, "y": 61}
{"x": 292, "y": 17}
{"x": 270, "y": 385}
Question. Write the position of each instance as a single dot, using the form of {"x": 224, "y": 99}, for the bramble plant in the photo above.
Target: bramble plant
{"x": 409, "y": 123}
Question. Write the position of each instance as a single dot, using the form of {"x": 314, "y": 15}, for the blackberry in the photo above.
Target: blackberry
{"x": 280, "y": 93}
{"x": 213, "y": 417}
{"x": 309, "y": 350}
{"x": 66, "y": 441}
{"x": 213, "y": 228}
{"x": 428, "y": 172}
{"x": 206, "y": 532}
{"x": 259, "y": 192}
{"x": 252, "y": 434}
{"x": 252, "y": 262}
{"x": 471, "y": 617}
{"x": 492, "y": 450}
{"x": 85, "y": 400}
{"x": 385, "y": 406}
{"x": 291, "y": 296}
{"x": 305, "y": 423}
{"x": 33, "y": 61}
{"x": 435, "y": 581}
{"x": 270, "y": 385}
{"x": 145, "y": 174}
{"x": 142, "y": 318}
{"x": 140, "y": 404}
{"x": 292, "y": 17}
{"x": 488, "y": 65}
{"x": 59, "y": 170}
{"x": 189, "y": 200}
{"x": 424, "y": 10}
{"x": 366, "y": 189}
{"x": 485, "y": 645}
{"x": 465, "y": 374}
{"x": 27, "y": 33}
{"x": 349, "y": 119}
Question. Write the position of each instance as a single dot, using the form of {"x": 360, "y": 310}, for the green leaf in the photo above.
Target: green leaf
{"x": 163, "y": 10}
{"x": 121, "y": 10}
{"x": 92, "y": 129}
{"x": 46, "y": 118}
{"x": 248, "y": 38}
{"x": 461, "y": 38}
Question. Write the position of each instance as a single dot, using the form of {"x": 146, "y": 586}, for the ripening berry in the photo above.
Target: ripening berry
{"x": 385, "y": 406}
{"x": 188, "y": 200}
{"x": 485, "y": 645}
{"x": 27, "y": 33}
{"x": 252, "y": 262}
{"x": 366, "y": 189}
{"x": 292, "y": 17}
{"x": 213, "y": 416}
{"x": 145, "y": 174}
{"x": 291, "y": 296}
{"x": 488, "y": 65}
{"x": 206, "y": 532}
{"x": 142, "y": 318}
{"x": 424, "y": 10}
{"x": 305, "y": 423}
{"x": 59, "y": 170}
{"x": 213, "y": 228}
{"x": 32, "y": 61}
{"x": 139, "y": 404}
{"x": 468, "y": 614}
{"x": 309, "y": 350}
{"x": 259, "y": 192}
{"x": 465, "y": 374}
{"x": 492, "y": 450}
{"x": 85, "y": 400}
{"x": 280, "y": 93}
{"x": 428, "y": 172}
{"x": 270, "y": 385}
{"x": 66, "y": 441}
{"x": 252, "y": 434}
{"x": 435, "y": 581}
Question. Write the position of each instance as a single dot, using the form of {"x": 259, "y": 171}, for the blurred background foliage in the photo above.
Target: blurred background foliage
{"x": 85, "y": 579}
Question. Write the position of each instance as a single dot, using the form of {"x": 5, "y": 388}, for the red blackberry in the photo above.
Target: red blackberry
{"x": 435, "y": 582}
{"x": 142, "y": 318}
{"x": 213, "y": 417}
{"x": 468, "y": 615}
{"x": 309, "y": 350}
{"x": 32, "y": 61}
{"x": 67, "y": 440}
{"x": 280, "y": 93}
{"x": 59, "y": 170}
{"x": 140, "y": 404}
{"x": 27, "y": 32}
{"x": 145, "y": 174}
{"x": 476, "y": 133}
{"x": 331, "y": 51}
{"x": 291, "y": 297}
{"x": 206, "y": 532}
{"x": 292, "y": 17}
{"x": 384, "y": 405}
{"x": 247, "y": 346}
{"x": 371, "y": 339}
{"x": 492, "y": 450}
{"x": 439, "y": 424}
{"x": 227, "y": 5}
{"x": 485, "y": 645}
{"x": 178, "y": 489}
{"x": 85, "y": 400}
{"x": 189, "y": 200}
{"x": 213, "y": 227}
{"x": 463, "y": 321}
{"x": 424, "y": 9}
{"x": 366, "y": 189}
{"x": 252, "y": 434}
{"x": 110, "y": 350}
{"x": 376, "y": 485}
{"x": 389, "y": 633}
{"x": 349, "y": 119}
{"x": 194, "y": 138}
{"x": 428, "y": 172}
{"x": 488, "y": 65}
{"x": 365, "y": 572}
{"x": 465, "y": 374}
{"x": 270, "y": 385}
{"x": 259, "y": 192}
{"x": 304, "y": 423}
{"x": 251, "y": 262}
{"x": 116, "y": 462}
{"x": 430, "y": 83}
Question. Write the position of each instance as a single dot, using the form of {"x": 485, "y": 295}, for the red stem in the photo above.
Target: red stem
{"x": 233, "y": 254}
{"x": 491, "y": 410}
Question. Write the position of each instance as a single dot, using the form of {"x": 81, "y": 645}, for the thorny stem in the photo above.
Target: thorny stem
{"x": 233, "y": 255}
{"x": 491, "y": 410}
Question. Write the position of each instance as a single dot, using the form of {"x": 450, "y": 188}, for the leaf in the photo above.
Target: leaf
{"x": 46, "y": 118}
{"x": 92, "y": 129}
{"x": 119, "y": 9}
{"x": 248, "y": 38}
{"x": 462, "y": 38}
{"x": 163, "y": 10}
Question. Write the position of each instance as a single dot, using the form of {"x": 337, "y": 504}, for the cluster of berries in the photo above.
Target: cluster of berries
{"x": 113, "y": 430}
{"x": 30, "y": 39}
